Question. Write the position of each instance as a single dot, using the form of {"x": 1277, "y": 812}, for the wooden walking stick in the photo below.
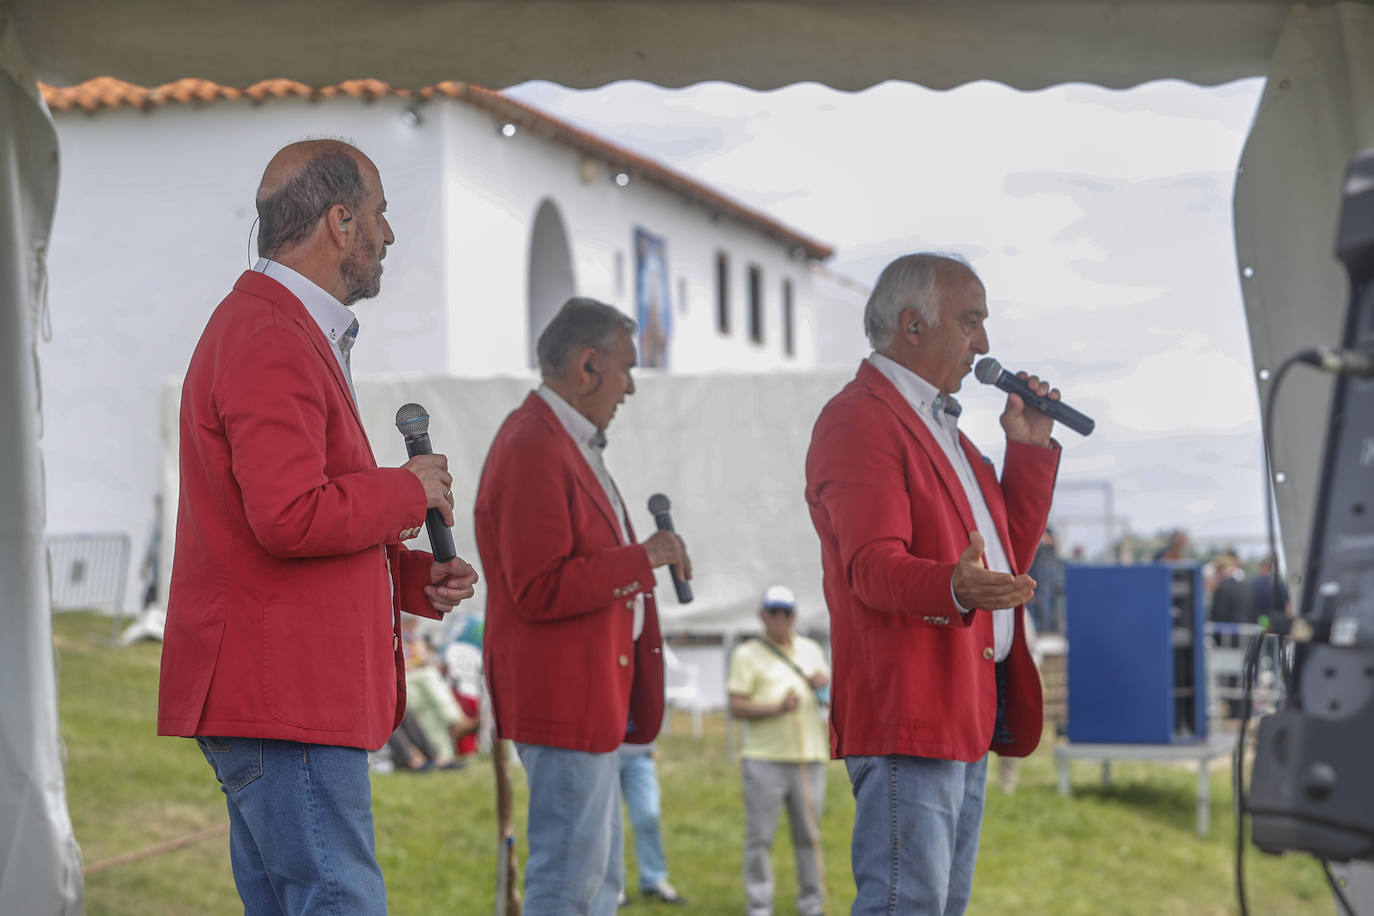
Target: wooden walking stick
{"x": 507, "y": 866}
{"x": 813, "y": 828}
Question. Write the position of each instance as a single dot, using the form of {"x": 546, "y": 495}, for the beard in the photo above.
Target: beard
{"x": 362, "y": 274}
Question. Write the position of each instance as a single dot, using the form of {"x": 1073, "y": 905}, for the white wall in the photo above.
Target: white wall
{"x": 152, "y": 229}
{"x": 496, "y": 185}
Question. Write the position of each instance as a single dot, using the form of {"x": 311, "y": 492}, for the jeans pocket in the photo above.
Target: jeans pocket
{"x": 236, "y": 761}
{"x": 857, "y": 767}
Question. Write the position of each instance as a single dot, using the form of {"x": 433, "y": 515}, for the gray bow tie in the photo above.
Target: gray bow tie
{"x": 598, "y": 440}
{"x": 947, "y": 404}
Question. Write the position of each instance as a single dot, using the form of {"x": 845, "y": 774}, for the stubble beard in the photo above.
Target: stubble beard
{"x": 362, "y": 276}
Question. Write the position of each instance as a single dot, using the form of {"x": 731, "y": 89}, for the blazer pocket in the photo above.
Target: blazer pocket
{"x": 313, "y": 668}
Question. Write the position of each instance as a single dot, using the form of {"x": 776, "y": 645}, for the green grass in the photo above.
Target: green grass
{"x": 1127, "y": 849}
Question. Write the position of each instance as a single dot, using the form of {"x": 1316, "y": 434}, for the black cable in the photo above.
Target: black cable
{"x": 1247, "y": 676}
{"x": 1252, "y": 651}
{"x": 1336, "y": 887}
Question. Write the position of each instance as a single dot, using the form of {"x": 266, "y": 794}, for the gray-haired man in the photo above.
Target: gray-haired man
{"x": 572, "y": 646}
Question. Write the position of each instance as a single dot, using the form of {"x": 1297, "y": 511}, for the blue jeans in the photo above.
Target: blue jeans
{"x": 916, "y": 827}
{"x": 300, "y": 826}
{"x": 576, "y": 863}
{"x": 639, "y": 783}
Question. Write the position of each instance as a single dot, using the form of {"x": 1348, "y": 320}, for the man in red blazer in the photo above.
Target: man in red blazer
{"x": 572, "y": 647}
{"x": 282, "y": 652}
{"x": 924, "y": 554}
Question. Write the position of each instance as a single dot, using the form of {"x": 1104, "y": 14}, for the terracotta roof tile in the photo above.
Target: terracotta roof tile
{"x": 106, "y": 92}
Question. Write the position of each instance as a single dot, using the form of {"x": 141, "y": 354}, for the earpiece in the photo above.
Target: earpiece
{"x": 914, "y": 328}
{"x": 590, "y": 368}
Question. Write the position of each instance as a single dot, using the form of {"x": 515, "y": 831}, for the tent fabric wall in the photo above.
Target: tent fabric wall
{"x": 736, "y": 441}
{"x": 40, "y": 865}
{"x": 758, "y": 43}
{"x": 1317, "y": 111}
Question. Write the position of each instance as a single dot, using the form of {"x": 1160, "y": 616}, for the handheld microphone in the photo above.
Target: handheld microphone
{"x": 1340, "y": 362}
{"x": 413, "y": 422}
{"x": 990, "y": 372}
{"x": 658, "y": 507}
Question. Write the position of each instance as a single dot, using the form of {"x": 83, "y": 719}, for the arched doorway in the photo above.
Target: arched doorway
{"x": 551, "y": 273}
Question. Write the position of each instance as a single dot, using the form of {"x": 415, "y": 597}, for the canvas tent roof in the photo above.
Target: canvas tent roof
{"x": 1317, "y": 110}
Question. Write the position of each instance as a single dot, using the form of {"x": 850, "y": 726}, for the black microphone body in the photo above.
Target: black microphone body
{"x": 658, "y": 507}
{"x": 990, "y": 372}
{"x": 413, "y": 422}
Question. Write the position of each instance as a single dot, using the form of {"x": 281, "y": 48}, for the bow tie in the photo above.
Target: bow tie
{"x": 350, "y": 337}
{"x": 945, "y": 403}
{"x": 598, "y": 440}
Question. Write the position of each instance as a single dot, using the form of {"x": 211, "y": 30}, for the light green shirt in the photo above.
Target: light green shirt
{"x": 757, "y": 673}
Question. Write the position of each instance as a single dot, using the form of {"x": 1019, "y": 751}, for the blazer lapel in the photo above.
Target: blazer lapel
{"x": 292, "y": 309}
{"x": 582, "y": 471}
{"x": 886, "y": 392}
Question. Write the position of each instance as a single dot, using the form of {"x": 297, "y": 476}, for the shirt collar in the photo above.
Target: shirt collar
{"x": 582, "y": 430}
{"x": 923, "y": 397}
{"x": 333, "y": 317}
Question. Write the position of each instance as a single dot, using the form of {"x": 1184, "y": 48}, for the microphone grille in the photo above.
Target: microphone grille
{"x": 987, "y": 370}
{"x": 412, "y": 420}
{"x": 659, "y": 504}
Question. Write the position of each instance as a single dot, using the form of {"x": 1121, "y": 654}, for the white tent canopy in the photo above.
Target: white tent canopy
{"x": 1315, "y": 113}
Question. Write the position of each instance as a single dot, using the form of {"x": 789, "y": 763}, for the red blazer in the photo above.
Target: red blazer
{"x": 911, "y": 675}
{"x": 562, "y": 665}
{"x": 280, "y": 618}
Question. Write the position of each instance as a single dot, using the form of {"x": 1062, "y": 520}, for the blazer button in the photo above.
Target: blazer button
{"x": 987, "y": 653}
{"x": 623, "y": 661}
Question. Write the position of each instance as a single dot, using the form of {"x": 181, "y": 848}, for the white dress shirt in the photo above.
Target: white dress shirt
{"x": 590, "y": 441}
{"x": 926, "y": 400}
{"x": 333, "y": 317}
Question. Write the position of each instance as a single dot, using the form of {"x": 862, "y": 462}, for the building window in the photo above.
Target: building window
{"x": 756, "y": 303}
{"x": 723, "y": 292}
{"x": 788, "y": 344}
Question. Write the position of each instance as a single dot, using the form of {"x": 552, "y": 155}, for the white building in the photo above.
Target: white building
{"x": 500, "y": 214}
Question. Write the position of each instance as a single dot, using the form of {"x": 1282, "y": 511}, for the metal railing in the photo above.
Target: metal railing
{"x": 89, "y": 571}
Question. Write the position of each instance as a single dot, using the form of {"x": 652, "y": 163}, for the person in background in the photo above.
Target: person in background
{"x": 1046, "y": 606}
{"x": 432, "y": 702}
{"x": 148, "y": 569}
{"x": 643, "y": 801}
{"x": 1230, "y": 595}
{"x": 572, "y": 648}
{"x": 773, "y": 682}
{"x": 1175, "y": 550}
{"x": 1264, "y": 600}
{"x": 290, "y": 575}
{"x": 925, "y": 552}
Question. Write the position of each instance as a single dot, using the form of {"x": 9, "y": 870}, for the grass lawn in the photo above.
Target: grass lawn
{"x": 1129, "y": 849}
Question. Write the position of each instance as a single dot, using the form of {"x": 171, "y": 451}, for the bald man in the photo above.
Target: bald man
{"x": 281, "y": 655}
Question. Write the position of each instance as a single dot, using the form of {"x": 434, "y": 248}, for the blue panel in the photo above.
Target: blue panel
{"x": 1137, "y": 671}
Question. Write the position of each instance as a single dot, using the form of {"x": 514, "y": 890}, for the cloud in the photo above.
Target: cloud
{"x": 1100, "y": 221}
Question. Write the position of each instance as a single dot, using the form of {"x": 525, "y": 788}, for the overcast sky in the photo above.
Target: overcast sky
{"x": 1099, "y": 220}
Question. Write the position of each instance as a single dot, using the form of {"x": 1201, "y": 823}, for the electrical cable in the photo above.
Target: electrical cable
{"x": 1336, "y": 887}
{"x": 1253, "y": 650}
